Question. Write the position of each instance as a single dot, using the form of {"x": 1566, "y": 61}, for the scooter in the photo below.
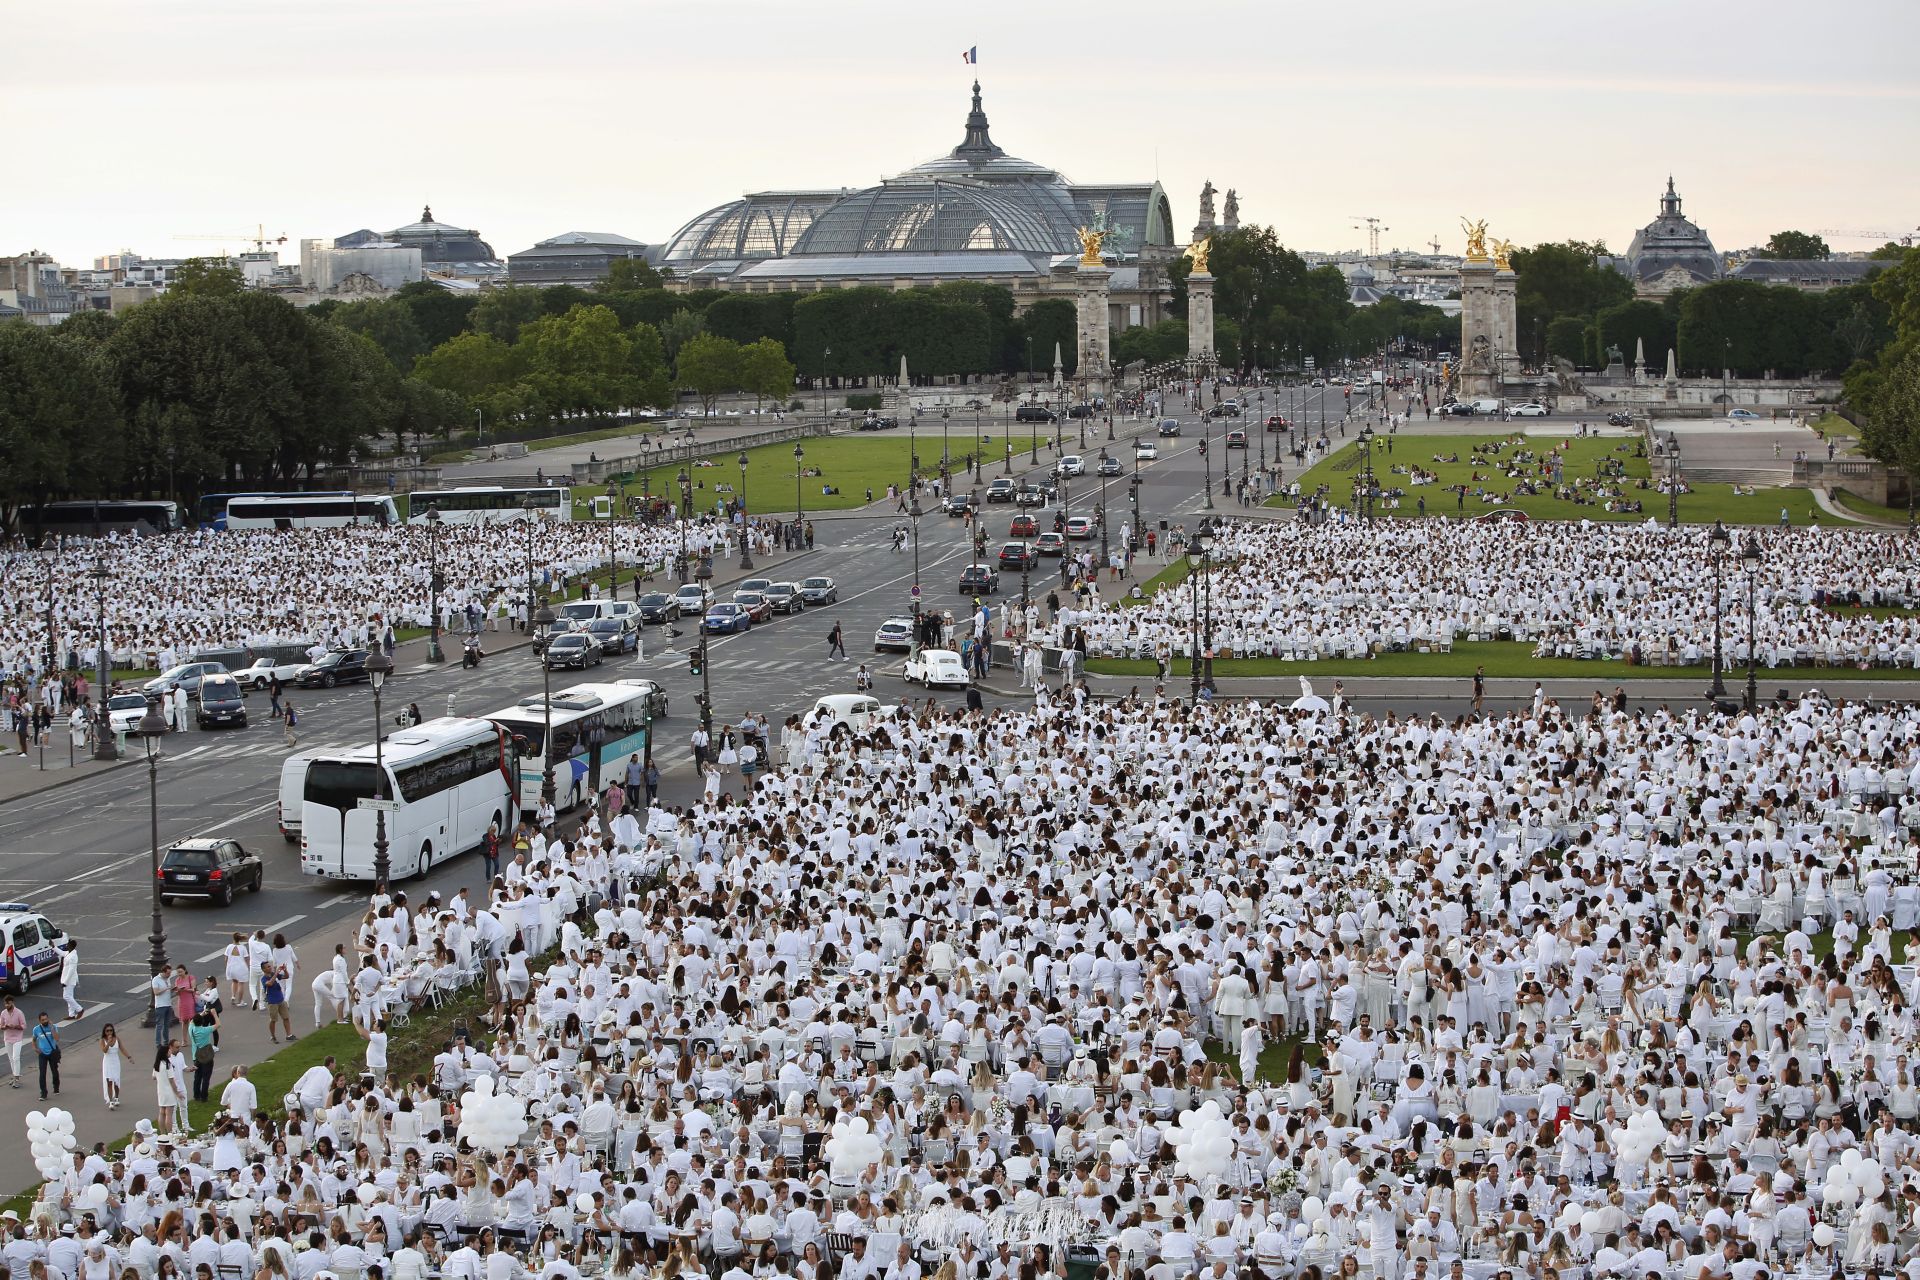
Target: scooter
{"x": 470, "y": 655}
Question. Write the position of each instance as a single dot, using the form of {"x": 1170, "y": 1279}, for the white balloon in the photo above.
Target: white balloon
{"x": 584, "y": 1203}
{"x": 365, "y": 1193}
{"x": 1823, "y": 1234}
{"x": 1850, "y": 1159}
{"x": 1313, "y": 1207}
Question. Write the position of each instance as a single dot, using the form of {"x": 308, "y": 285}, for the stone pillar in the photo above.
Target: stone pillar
{"x": 1200, "y": 319}
{"x": 1479, "y": 366}
{"x": 1096, "y": 346}
{"x": 1506, "y": 324}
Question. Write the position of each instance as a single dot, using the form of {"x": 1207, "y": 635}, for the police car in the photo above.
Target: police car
{"x": 31, "y": 947}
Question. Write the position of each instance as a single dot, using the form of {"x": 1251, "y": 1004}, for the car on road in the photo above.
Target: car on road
{"x": 263, "y": 670}
{"x": 222, "y": 702}
{"x": 979, "y": 579}
{"x": 819, "y": 590}
{"x": 1082, "y": 410}
{"x": 1169, "y": 427}
{"x": 1278, "y": 422}
{"x": 1002, "y": 489}
{"x": 1531, "y": 409}
{"x": 693, "y": 598}
{"x": 1023, "y": 526}
{"x": 1742, "y": 415}
{"x": 1319, "y": 382}
{"x": 339, "y": 666}
{"x": 1454, "y": 409}
{"x": 726, "y": 617}
{"x": 1236, "y": 439}
{"x": 615, "y": 636}
{"x": 211, "y": 869}
{"x": 125, "y": 711}
{"x": 1031, "y": 495}
{"x": 957, "y": 504}
{"x": 1619, "y": 419}
{"x": 855, "y": 710}
{"x": 1145, "y": 451}
{"x": 1033, "y": 413}
{"x": 1109, "y": 466}
{"x": 936, "y": 666}
{"x": 574, "y": 649}
{"x": 1050, "y": 544}
{"x": 758, "y": 607}
{"x": 36, "y": 944}
{"x": 1080, "y": 528}
{"x": 1506, "y": 515}
{"x": 656, "y": 696}
{"x": 751, "y": 584}
{"x": 785, "y": 597}
{"x": 1017, "y": 555}
{"x": 658, "y": 606}
{"x": 187, "y": 675}
{"x": 1073, "y": 465}
{"x": 895, "y": 634}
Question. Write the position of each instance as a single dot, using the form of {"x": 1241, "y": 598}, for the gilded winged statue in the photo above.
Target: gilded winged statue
{"x": 1198, "y": 251}
{"x": 1476, "y": 239}
{"x": 1090, "y": 246}
{"x": 1503, "y": 255}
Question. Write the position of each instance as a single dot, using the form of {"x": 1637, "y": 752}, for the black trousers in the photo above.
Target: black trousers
{"x": 49, "y": 1062}
{"x": 202, "y": 1080}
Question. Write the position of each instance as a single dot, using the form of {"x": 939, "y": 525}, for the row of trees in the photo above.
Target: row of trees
{"x": 1884, "y": 386}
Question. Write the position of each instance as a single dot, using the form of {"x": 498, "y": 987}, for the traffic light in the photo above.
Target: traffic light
{"x": 697, "y": 661}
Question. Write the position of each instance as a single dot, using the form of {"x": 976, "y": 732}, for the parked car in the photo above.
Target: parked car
{"x": 126, "y": 710}
{"x": 1050, "y": 544}
{"x": 1455, "y": 409}
{"x": 1531, "y": 409}
{"x": 222, "y": 702}
{"x": 186, "y": 675}
{"x": 1002, "y": 489}
{"x": 979, "y": 579}
{"x": 615, "y": 636}
{"x": 1145, "y": 451}
{"x": 1169, "y": 427}
{"x": 726, "y": 617}
{"x": 1080, "y": 528}
{"x": 1236, "y": 439}
{"x": 340, "y": 666}
{"x": 894, "y": 634}
{"x": 1023, "y": 526}
{"x": 1033, "y": 413}
{"x": 37, "y": 945}
{"x": 819, "y": 590}
{"x": 758, "y": 607}
{"x": 574, "y": 649}
{"x": 658, "y": 606}
{"x": 936, "y": 666}
{"x": 785, "y": 597}
{"x": 1742, "y": 415}
{"x": 263, "y": 670}
{"x": 1109, "y": 466}
{"x": 1017, "y": 555}
{"x": 215, "y": 869}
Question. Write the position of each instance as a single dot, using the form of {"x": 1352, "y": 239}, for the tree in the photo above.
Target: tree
{"x": 580, "y": 361}
{"x": 1797, "y": 246}
{"x": 1563, "y": 279}
{"x": 440, "y": 316}
{"x": 473, "y": 366}
{"x": 709, "y": 366}
{"x": 678, "y": 328}
{"x": 390, "y": 324}
{"x": 1892, "y": 433}
{"x": 1048, "y": 322}
{"x": 1642, "y": 323}
{"x": 1567, "y": 338}
{"x": 57, "y": 416}
{"x": 625, "y": 275}
{"x": 207, "y": 278}
{"x": 502, "y": 312}
{"x": 653, "y": 388}
{"x": 766, "y": 371}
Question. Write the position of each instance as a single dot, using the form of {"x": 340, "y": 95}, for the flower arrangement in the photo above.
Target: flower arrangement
{"x": 1282, "y": 1180}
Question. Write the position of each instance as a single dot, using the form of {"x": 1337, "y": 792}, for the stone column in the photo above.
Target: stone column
{"x": 1200, "y": 318}
{"x": 1506, "y": 324}
{"x": 1478, "y": 331}
{"x": 1095, "y": 340}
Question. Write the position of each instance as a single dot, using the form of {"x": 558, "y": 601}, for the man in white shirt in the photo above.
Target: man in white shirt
{"x": 240, "y": 1098}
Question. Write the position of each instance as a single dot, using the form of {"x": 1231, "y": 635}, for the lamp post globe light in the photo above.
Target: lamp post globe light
{"x": 544, "y": 620}
{"x": 1717, "y": 543}
{"x": 434, "y": 651}
{"x": 151, "y": 729}
{"x": 1750, "y": 557}
{"x": 746, "y": 550}
{"x": 946, "y": 454}
{"x": 379, "y": 667}
{"x": 686, "y": 514}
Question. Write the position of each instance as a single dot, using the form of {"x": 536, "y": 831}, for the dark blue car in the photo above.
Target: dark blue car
{"x": 726, "y": 617}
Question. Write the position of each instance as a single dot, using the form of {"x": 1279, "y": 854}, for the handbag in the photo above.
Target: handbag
{"x": 203, "y": 1056}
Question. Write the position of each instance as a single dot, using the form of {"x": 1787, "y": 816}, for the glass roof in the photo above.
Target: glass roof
{"x": 945, "y": 216}
{"x": 767, "y": 225}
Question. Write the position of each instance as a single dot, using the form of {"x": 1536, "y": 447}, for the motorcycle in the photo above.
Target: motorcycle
{"x": 470, "y": 655}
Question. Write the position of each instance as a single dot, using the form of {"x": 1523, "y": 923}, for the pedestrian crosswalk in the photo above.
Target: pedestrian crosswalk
{"x": 252, "y": 749}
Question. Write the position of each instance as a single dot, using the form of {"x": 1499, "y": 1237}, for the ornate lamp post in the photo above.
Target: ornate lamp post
{"x": 1139, "y": 530}
{"x": 979, "y": 463}
{"x": 705, "y": 574}
{"x": 1106, "y": 548}
{"x": 1750, "y": 557}
{"x": 533, "y": 518}
{"x": 1261, "y": 418}
{"x": 379, "y": 667}
{"x": 913, "y": 650}
{"x": 151, "y": 729}
{"x": 616, "y": 498}
{"x": 1673, "y": 482}
{"x": 544, "y": 620}
{"x": 1717, "y": 543}
{"x": 746, "y": 550}
{"x": 1207, "y": 485}
{"x": 686, "y": 514}
{"x": 946, "y": 455}
{"x": 1207, "y": 529}
{"x": 434, "y": 652}
{"x": 799, "y": 500}
{"x": 1198, "y": 558}
{"x": 102, "y": 739}
{"x": 1366, "y": 467}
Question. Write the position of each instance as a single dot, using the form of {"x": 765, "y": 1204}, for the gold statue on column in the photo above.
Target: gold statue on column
{"x": 1090, "y": 246}
{"x": 1476, "y": 239}
{"x": 1197, "y": 253}
{"x": 1503, "y": 255}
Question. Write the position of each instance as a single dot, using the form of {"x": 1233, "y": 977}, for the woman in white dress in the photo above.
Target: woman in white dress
{"x": 112, "y": 1060}
{"x": 239, "y": 970}
{"x": 165, "y": 1088}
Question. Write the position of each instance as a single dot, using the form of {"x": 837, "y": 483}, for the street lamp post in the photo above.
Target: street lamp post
{"x": 526, "y": 509}
{"x": 1673, "y": 481}
{"x": 152, "y": 728}
{"x": 616, "y": 495}
{"x": 1199, "y": 552}
{"x": 379, "y": 667}
{"x": 51, "y": 671}
{"x": 1750, "y": 556}
{"x": 799, "y": 498}
{"x": 1206, "y": 487}
{"x": 102, "y": 737}
{"x": 1366, "y": 468}
{"x": 913, "y": 648}
{"x": 434, "y": 652}
{"x": 979, "y": 463}
{"x": 1139, "y": 530}
{"x": 1106, "y": 549}
{"x": 686, "y": 514}
{"x": 946, "y": 454}
{"x": 544, "y": 620}
{"x": 705, "y": 575}
{"x": 746, "y": 551}
{"x": 1717, "y": 543}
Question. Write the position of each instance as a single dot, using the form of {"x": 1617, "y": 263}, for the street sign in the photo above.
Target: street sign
{"x": 381, "y": 806}
{"x": 916, "y": 591}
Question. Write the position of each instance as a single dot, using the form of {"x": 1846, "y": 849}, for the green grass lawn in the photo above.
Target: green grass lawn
{"x": 1832, "y": 424}
{"x": 1870, "y": 510}
{"x": 1703, "y": 505}
{"x": 1512, "y": 659}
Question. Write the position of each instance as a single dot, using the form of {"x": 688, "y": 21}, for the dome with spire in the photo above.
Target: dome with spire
{"x": 1670, "y": 252}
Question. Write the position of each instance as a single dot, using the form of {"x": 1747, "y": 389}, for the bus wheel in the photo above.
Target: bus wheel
{"x": 426, "y": 860}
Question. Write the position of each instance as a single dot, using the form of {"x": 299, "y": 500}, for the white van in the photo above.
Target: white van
{"x": 1485, "y": 406}
{"x": 855, "y": 710}
{"x": 293, "y": 786}
{"x": 589, "y": 610}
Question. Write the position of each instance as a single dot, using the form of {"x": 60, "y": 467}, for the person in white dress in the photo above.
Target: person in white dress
{"x": 112, "y": 1060}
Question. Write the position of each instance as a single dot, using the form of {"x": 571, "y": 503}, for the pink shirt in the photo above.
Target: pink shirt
{"x": 13, "y": 1026}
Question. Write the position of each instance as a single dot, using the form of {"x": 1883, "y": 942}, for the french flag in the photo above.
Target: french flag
{"x": 972, "y": 55}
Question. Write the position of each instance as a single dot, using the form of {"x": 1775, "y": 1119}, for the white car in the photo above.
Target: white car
{"x": 264, "y": 669}
{"x": 1073, "y": 465}
{"x": 125, "y": 711}
{"x": 937, "y": 666}
{"x": 1145, "y": 451}
{"x": 693, "y": 598}
{"x": 1528, "y": 410}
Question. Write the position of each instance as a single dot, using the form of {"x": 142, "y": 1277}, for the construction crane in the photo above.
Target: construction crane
{"x": 1434, "y": 244}
{"x": 259, "y": 239}
{"x": 1905, "y": 238}
{"x": 1374, "y": 228}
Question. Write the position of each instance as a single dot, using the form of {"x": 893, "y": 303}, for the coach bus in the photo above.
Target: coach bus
{"x": 596, "y": 729}
{"x": 491, "y": 504}
{"x": 211, "y": 511}
{"x": 311, "y": 511}
{"x": 445, "y": 782}
{"x": 105, "y": 516}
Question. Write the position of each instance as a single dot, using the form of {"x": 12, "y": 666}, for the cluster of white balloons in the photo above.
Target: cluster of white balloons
{"x": 1634, "y": 1145}
{"x": 491, "y": 1121}
{"x": 1203, "y": 1143}
{"x": 1852, "y": 1179}
{"x": 50, "y": 1137}
{"x": 850, "y": 1149}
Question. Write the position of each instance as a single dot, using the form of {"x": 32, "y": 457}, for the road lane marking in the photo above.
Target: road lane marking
{"x": 278, "y": 925}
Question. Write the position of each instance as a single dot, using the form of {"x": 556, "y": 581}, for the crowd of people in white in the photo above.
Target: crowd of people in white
{"x": 1641, "y": 593}
{"x": 168, "y": 598}
{"x": 1125, "y": 990}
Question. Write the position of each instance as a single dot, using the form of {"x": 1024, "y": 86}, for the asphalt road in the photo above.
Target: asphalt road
{"x": 80, "y": 853}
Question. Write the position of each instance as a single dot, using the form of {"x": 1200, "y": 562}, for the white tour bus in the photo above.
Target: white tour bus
{"x": 490, "y": 504}
{"x": 446, "y": 782}
{"x": 321, "y": 511}
{"x": 597, "y": 728}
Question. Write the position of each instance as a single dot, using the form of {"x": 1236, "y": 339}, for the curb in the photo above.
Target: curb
{"x": 70, "y": 780}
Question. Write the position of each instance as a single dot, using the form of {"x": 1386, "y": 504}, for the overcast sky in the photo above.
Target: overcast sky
{"x": 132, "y": 122}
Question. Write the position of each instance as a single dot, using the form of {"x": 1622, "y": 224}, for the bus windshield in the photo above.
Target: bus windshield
{"x": 529, "y": 736}
{"x": 339, "y": 784}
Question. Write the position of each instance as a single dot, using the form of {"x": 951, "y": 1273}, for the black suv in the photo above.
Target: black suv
{"x": 1033, "y": 413}
{"x": 222, "y": 701}
{"x": 658, "y": 606}
{"x": 213, "y": 869}
{"x": 1002, "y": 489}
{"x": 339, "y": 666}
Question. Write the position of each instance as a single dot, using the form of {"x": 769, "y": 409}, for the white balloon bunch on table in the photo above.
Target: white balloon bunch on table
{"x": 1635, "y": 1144}
{"x": 491, "y": 1121}
{"x": 850, "y": 1149}
{"x": 1202, "y": 1141}
{"x": 1851, "y": 1179}
{"x": 50, "y": 1138}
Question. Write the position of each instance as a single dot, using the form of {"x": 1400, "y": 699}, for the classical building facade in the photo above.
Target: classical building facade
{"x": 1670, "y": 253}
